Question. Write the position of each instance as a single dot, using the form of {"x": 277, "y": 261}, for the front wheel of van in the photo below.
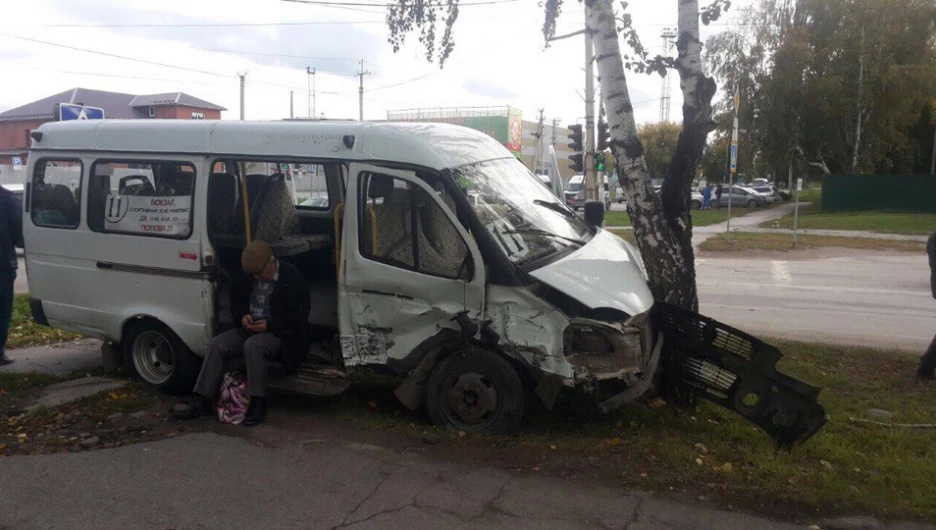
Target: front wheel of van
{"x": 153, "y": 353}
{"x": 475, "y": 391}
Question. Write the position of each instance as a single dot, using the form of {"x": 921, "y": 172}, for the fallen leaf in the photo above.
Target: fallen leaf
{"x": 826, "y": 464}
{"x": 643, "y": 474}
{"x": 614, "y": 442}
{"x": 727, "y": 467}
{"x": 698, "y": 461}
{"x": 701, "y": 448}
{"x": 553, "y": 447}
{"x": 657, "y": 403}
{"x": 372, "y": 404}
{"x": 462, "y": 434}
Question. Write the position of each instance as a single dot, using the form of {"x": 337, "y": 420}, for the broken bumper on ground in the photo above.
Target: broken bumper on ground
{"x": 738, "y": 371}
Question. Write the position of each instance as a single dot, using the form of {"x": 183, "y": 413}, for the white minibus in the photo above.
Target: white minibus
{"x": 432, "y": 252}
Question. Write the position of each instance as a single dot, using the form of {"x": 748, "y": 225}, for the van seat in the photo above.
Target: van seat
{"x": 274, "y": 219}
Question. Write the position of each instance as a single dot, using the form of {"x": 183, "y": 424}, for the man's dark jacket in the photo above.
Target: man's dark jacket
{"x": 11, "y": 229}
{"x": 289, "y": 312}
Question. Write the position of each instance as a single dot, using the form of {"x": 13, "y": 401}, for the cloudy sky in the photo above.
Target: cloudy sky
{"x": 199, "y": 46}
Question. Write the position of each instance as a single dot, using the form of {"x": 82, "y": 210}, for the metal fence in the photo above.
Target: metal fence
{"x": 903, "y": 193}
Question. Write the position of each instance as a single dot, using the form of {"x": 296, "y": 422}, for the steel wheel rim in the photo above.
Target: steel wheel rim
{"x": 471, "y": 401}
{"x": 152, "y": 357}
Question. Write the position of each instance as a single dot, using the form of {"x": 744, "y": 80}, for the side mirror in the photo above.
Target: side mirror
{"x": 594, "y": 213}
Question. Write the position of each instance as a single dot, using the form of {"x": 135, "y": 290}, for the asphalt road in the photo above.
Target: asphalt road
{"x": 880, "y": 301}
{"x": 276, "y": 479}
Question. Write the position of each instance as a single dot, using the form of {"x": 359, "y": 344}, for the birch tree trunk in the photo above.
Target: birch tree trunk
{"x": 661, "y": 223}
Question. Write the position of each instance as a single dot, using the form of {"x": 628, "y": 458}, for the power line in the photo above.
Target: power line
{"x": 204, "y": 25}
{"x": 263, "y": 54}
{"x": 137, "y": 60}
{"x": 364, "y": 4}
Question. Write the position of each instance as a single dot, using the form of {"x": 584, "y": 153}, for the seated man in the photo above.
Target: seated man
{"x": 272, "y": 309}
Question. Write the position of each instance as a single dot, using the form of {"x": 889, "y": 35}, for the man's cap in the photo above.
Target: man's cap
{"x": 256, "y": 256}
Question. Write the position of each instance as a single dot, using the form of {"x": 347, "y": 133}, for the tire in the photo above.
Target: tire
{"x": 695, "y": 205}
{"x": 752, "y": 203}
{"x": 475, "y": 391}
{"x": 155, "y": 355}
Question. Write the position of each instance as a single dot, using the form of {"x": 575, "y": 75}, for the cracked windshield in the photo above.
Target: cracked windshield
{"x": 525, "y": 219}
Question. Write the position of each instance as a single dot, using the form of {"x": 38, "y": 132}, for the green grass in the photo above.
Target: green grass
{"x": 24, "y": 331}
{"x": 747, "y": 241}
{"x": 847, "y": 468}
{"x": 812, "y": 217}
{"x": 699, "y": 217}
{"x": 626, "y": 235}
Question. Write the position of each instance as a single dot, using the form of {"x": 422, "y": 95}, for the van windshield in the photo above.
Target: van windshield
{"x": 575, "y": 186}
{"x": 527, "y": 221}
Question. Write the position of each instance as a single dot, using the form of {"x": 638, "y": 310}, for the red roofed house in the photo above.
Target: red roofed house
{"x": 15, "y": 124}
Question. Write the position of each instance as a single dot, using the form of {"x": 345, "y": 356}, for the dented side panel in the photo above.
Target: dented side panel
{"x": 387, "y": 311}
{"x": 530, "y": 329}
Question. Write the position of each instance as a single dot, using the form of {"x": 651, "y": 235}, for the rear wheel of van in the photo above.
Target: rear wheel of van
{"x": 153, "y": 353}
{"x": 475, "y": 391}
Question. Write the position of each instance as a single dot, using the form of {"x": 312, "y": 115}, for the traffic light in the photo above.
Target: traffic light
{"x": 604, "y": 135}
{"x": 576, "y": 136}
{"x": 599, "y": 162}
{"x": 577, "y": 164}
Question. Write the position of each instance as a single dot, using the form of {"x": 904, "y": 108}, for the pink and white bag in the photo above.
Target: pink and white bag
{"x": 233, "y": 399}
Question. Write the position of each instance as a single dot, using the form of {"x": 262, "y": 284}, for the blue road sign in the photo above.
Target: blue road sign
{"x": 69, "y": 112}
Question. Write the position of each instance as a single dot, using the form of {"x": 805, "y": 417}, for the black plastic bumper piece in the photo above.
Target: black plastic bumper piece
{"x": 737, "y": 371}
{"x": 35, "y": 307}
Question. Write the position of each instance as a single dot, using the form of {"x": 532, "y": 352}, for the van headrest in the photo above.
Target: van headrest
{"x": 381, "y": 186}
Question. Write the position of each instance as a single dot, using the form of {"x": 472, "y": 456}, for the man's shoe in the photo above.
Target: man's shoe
{"x": 927, "y": 372}
{"x": 198, "y": 406}
{"x": 4, "y": 360}
{"x": 256, "y": 412}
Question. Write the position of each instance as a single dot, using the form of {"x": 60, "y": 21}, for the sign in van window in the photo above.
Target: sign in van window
{"x": 163, "y": 216}
{"x": 148, "y": 198}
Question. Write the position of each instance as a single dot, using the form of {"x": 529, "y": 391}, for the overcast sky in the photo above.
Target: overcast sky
{"x": 499, "y": 58}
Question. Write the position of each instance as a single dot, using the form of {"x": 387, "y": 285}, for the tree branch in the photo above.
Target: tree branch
{"x": 566, "y": 36}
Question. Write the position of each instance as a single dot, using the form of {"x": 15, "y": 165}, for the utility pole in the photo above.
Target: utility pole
{"x": 538, "y": 146}
{"x": 860, "y": 104}
{"x": 361, "y": 73}
{"x": 667, "y": 35}
{"x": 291, "y": 115}
{"x": 310, "y": 78}
{"x": 556, "y": 123}
{"x": 242, "y": 76}
{"x": 591, "y": 192}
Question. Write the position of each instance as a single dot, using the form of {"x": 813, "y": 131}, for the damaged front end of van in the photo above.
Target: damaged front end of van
{"x": 590, "y": 321}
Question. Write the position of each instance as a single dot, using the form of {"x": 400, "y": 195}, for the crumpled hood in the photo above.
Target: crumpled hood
{"x": 606, "y": 272}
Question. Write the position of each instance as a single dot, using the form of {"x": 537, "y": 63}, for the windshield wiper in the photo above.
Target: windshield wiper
{"x": 556, "y": 207}
{"x": 546, "y": 233}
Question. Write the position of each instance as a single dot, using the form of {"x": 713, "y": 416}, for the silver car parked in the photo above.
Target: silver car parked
{"x": 740, "y": 197}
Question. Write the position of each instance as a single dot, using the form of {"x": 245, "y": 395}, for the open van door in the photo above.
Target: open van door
{"x": 408, "y": 271}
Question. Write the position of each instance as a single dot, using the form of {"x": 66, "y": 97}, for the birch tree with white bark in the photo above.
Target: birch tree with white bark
{"x": 662, "y": 222}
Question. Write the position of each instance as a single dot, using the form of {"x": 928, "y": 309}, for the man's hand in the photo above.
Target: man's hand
{"x": 247, "y": 321}
{"x": 259, "y": 326}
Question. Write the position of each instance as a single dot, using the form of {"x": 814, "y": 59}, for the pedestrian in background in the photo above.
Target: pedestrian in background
{"x": 11, "y": 236}
{"x": 706, "y": 196}
{"x": 927, "y": 368}
{"x": 718, "y": 192}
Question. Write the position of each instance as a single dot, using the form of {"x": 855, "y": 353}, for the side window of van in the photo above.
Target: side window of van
{"x": 55, "y": 195}
{"x": 141, "y": 198}
{"x": 402, "y": 225}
